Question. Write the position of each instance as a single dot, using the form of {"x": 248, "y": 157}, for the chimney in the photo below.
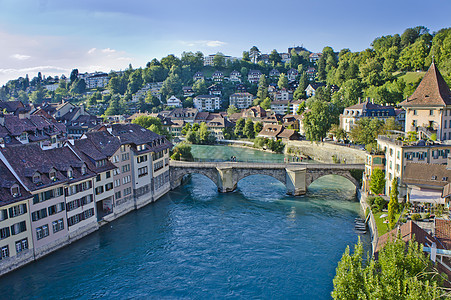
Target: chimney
{"x": 359, "y": 100}
{"x": 372, "y": 100}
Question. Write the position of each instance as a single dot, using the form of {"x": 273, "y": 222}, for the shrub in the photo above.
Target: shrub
{"x": 415, "y": 217}
{"x": 403, "y": 220}
{"x": 380, "y": 202}
{"x": 370, "y": 200}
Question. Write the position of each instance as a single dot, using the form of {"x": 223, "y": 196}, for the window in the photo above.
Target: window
{"x": 15, "y": 191}
{"x": 125, "y": 156}
{"x": 54, "y": 209}
{"x": 3, "y": 214}
{"x": 117, "y": 195}
{"x": 42, "y": 232}
{"x": 414, "y": 112}
{"x": 99, "y": 190}
{"x": 21, "y": 245}
{"x": 86, "y": 199}
{"x": 125, "y": 168}
{"x": 142, "y": 171}
{"x": 108, "y": 174}
{"x": 80, "y": 217}
{"x": 69, "y": 173}
{"x": 117, "y": 182}
{"x": 115, "y": 159}
{"x": 431, "y": 112}
{"x": 52, "y": 175}
{"x": 58, "y": 225}
{"x": 116, "y": 171}
{"x": 434, "y": 177}
{"x": 4, "y": 233}
{"x": 38, "y": 215}
{"x": 48, "y": 195}
{"x": 141, "y": 158}
{"x": 5, "y": 252}
{"x": 83, "y": 170}
{"x": 36, "y": 178}
{"x": 127, "y": 191}
{"x": 98, "y": 178}
{"x": 17, "y": 210}
{"x": 108, "y": 186}
{"x": 126, "y": 179}
{"x": 18, "y": 228}
{"x": 444, "y": 123}
{"x": 123, "y": 148}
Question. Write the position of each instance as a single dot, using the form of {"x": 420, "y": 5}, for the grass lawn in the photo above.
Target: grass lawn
{"x": 410, "y": 77}
{"x": 382, "y": 228}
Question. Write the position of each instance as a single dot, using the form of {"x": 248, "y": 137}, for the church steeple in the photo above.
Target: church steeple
{"x": 432, "y": 90}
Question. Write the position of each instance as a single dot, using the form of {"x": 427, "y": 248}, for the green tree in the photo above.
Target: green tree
{"x": 301, "y": 108}
{"x": 135, "y": 81}
{"x": 274, "y": 58}
{"x": 182, "y": 152}
{"x": 239, "y": 126}
{"x": 283, "y": 81}
{"x": 318, "y": 120}
{"x": 78, "y": 87}
{"x": 249, "y": 129}
{"x": 232, "y": 110}
{"x": 299, "y": 93}
{"x": 377, "y": 181}
{"x": 172, "y": 85}
{"x": 219, "y": 60}
{"x": 262, "y": 92}
{"x": 205, "y": 136}
{"x": 114, "y": 107}
{"x": 398, "y": 273}
{"x": 258, "y": 126}
{"x": 266, "y": 104}
{"x": 200, "y": 87}
{"x": 393, "y": 205}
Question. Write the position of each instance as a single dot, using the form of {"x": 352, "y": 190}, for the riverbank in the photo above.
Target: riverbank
{"x": 371, "y": 221}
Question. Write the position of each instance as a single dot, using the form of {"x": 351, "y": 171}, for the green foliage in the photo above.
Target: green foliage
{"x": 377, "y": 181}
{"x": 301, "y": 108}
{"x": 182, "y": 152}
{"x": 199, "y": 134}
{"x": 239, "y": 126}
{"x": 366, "y": 130}
{"x": 200, "y": 87}
{"x": 265, "y": 143}
{"x": 266, "y": 104}
{"x": 379, "y": 204}
{"x": 258, "y": 126}
{"x": 283, "y": 81}
{"x": 415, "y": 217}
{"x": 153, "y": 124}
{"x": 262, "y": 92}
{"x": 393, "y": 205}
{"x": 396, "y": 274}
{"x": 248, "y": 130}
{"x": 231, "y": 110}
{"x": 318, "y": 120}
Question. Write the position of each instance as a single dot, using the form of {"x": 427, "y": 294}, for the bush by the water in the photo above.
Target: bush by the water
{"x": 415, "y": 217}
{"x": 379, "y": 204}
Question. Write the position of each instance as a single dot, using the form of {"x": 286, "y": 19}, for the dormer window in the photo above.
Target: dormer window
{"x": 15, "y": 191}
{"x": 37, "y": 178}
{"x": 70, "y": 174}
{"x": 52, "y": 175}
{"x": 83, "y": 170}
{"x": 434, "y": 177}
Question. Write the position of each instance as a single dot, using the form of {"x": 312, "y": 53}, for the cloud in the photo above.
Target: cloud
{"x": 92, "y": 50}
{"x": 108, "y": 50}
{"x": 212, "y": 44}
{"x": 215, "y": 43}
{"x": 20, "y": 56}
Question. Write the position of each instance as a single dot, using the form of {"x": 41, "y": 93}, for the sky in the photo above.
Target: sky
{"x": 53, "y": 36}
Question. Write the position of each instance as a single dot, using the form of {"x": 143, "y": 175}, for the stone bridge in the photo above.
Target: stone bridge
{"x": 296, "y": 176}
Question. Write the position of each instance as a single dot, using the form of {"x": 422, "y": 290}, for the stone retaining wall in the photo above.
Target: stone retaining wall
{"x": 324, "y": 152}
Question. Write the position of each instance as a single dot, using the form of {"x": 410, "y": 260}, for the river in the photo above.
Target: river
{"x": 195, "y": 243}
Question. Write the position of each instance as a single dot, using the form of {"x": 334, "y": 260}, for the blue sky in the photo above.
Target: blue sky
{"x": 55, "y": 36}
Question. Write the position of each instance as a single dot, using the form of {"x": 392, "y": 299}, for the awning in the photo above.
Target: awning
{"x": 426, "y": 196}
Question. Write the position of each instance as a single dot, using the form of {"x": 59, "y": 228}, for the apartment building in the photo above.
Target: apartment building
{"x": 241, "y": 100}
{"x": 207, "y": 103}
{"x": 16, "y": 242}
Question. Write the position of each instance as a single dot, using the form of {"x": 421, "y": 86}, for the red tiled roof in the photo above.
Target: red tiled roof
{"x": 432, "y": 91}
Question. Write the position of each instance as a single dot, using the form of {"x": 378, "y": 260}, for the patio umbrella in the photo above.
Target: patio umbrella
{"x": 386, "y": 221}
{"x": 383, "y": 216}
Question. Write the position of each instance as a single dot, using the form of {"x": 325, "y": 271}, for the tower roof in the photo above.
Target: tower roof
{"x": 432, "y": 90}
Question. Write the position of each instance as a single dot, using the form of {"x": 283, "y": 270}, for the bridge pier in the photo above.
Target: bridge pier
{"x": 225, "y": 180}
{"x": 296, "y": 182}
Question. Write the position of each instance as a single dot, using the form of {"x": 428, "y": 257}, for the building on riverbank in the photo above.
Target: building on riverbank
{"x": 50, "y": 198}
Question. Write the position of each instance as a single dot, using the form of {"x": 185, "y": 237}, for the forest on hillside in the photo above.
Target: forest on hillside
{"x": 382, "y": 72}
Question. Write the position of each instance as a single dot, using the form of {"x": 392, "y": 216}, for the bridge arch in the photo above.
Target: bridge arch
{"x": 279, "y": 175}
{"x": 177, "y": 175}
{"x": 313, "y": 176}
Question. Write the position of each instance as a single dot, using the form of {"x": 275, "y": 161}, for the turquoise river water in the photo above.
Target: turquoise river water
{"x": 195, "y": 243}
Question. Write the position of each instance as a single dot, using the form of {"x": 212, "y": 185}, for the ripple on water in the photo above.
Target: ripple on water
{"x": 196, "y": 243}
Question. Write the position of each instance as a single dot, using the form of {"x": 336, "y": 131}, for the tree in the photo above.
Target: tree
{"x": 219, "y": 60}
{"x": 182, "y": 152}
{"x": 186, "y": 128}
{"x": 232, "y": 110}
{"x": 283, "y": 81}
{"x": 398, "y": 273}
{"x": 266, "y": 104}
{"x": 301, "y": 108}
{"x": 299, "y": 93}
{"x": 258, "y": 126}
{"x": 114, "y": 107}
{"x": 262, "y": 92}
{"x": 249, "y": 129}
{"x": 275, "y": 58}
{"x": 200, "y": 87}
{"x": 377, "y": 181}
{"x": 239, "y": 126}
{"x": 318, "y": 120}
{"x": 73, "y": 75}
{"x": 205, "y": 136}
{"x": 172, "y": 85}
{"x": 78, "y": 87}
{"x": 254, "y": 54}
{"x": 393, "y": 205}
{"x": 135, "y": 81}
